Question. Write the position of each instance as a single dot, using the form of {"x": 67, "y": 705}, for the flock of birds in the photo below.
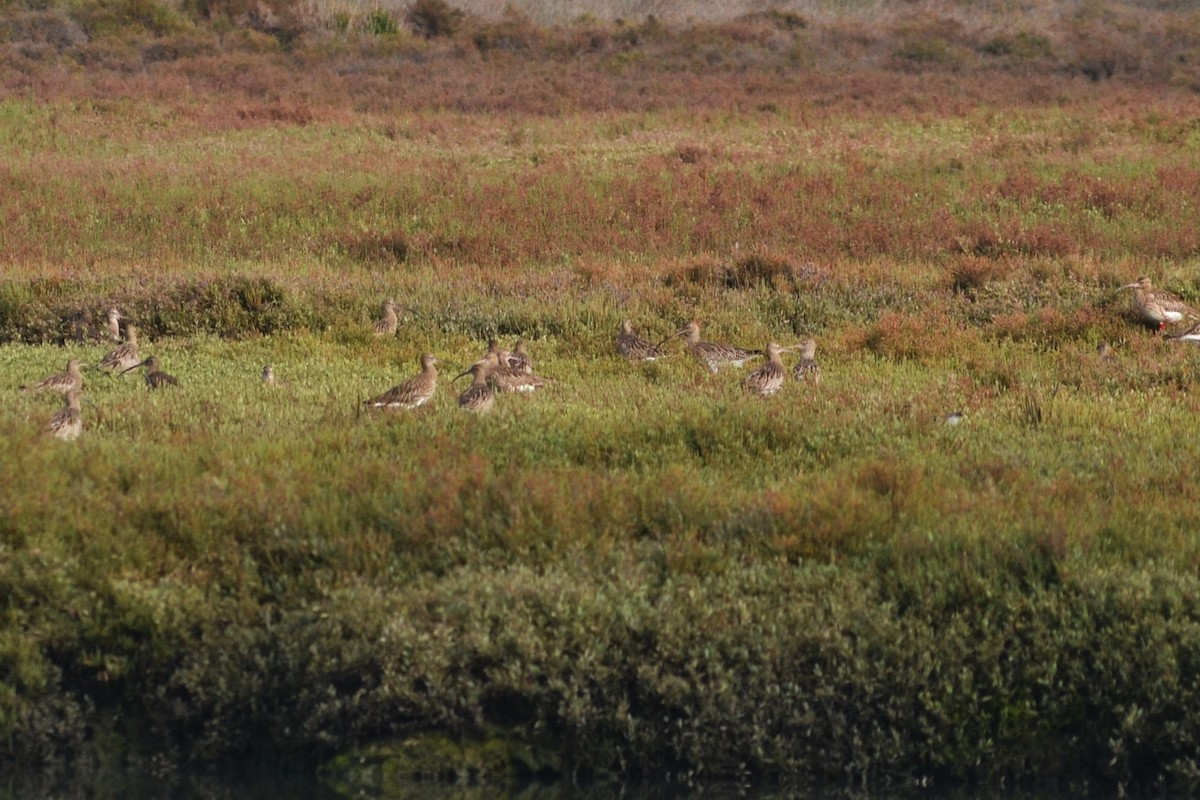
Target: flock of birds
{"x": 500, "y": 370}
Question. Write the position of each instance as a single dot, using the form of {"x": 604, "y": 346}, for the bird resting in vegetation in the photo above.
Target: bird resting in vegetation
{"x": 61, "y": 382}
{"x": 411, "y": 393}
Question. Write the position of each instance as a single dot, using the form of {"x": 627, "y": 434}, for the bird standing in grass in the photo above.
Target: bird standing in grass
{"x": 507, "y": 378}
{"x": 1192, "y": 334}
{"x": 386, "y": 325}
{"x": 715, "y": 355}
{"x": 269, "y": 378}
{"x": 155, "y": 378}
{"x": 1105, "y": 353}
{"x": 479, "y": 396}
{"x": 125, "y": 356}
{"x": 61, "y": 382}
{"x": 767, "y": 379}
{"x": 519, "y": 359}
{"x": 67, "y": 422}
{"x": 412, "y": 393}
{"x": 1157, "y": 307}
{"x": 634, "y": 347}
{"x": 495, "y": 354}
{"x": 114, "y": 324}
{"x": 806, "y": 368}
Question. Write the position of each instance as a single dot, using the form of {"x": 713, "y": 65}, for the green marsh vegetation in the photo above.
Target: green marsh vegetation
{"x": 640, "y": 565}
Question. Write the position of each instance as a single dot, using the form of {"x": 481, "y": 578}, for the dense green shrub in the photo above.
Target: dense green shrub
{"x": 434, "y": 19}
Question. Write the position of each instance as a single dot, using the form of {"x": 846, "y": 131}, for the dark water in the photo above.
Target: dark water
{"x": 294, "y": 787}
{"x": 305, "y": 786}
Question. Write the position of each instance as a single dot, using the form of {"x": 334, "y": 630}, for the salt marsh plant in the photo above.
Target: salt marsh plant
{"x": 638, "y": 565}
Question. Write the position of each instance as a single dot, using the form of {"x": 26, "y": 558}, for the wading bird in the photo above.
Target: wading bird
{"x": 414, "y": 392}
{"x": 479, "y": 396}
{"x": 714, "y": 355}
{"x": 507, "y": 378}
{"x": 61, "y": 382}
{"x": 634, "y": 347}
{"x": 386, "y": 325}
{"x": 767, "y": 379}
{"x": 269, "y": 378}
{"x": 806, "y": 368}
{"x": 1192, "y": 334}
{"x": 390, "y": 321}
{"x": 114, "y": 324}
{"x": 123, "y": 357}
{"x": 519, "y": 359}
{"x": 67, "y": 422}
{"x": 1157, "y": 307}
{"x": 155, "y": 378}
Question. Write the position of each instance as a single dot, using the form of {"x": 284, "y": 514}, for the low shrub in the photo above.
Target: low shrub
{"x": 433, "y": 19}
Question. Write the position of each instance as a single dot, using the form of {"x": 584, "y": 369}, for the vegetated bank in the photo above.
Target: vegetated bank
{"x": 643, "y": 569}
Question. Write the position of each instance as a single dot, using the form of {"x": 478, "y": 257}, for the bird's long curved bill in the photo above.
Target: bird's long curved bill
{"x": 674, "y": 335}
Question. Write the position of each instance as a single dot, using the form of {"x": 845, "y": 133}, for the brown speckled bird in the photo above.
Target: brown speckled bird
{"x": 767, "y": 379}
{"x": 1192, "y": 334}
{"x": 155, "y": 378}
{"x": 1157, "y": 307}
{"x": 412, "y": 393}
{"x": 61, "y": 382}
{"x": 479, "y": 396}
{"x": 507, "y": 378}
{"x": 519, "y": 358}
{"x": 387, "y": 324}
{"x": 715, "y": 355}
{"x": 634, "y": 347}
{"x": 806, "y": 368}
{"x": 123, "y": 357}
{"x": 67, "y": 423}
{"x": 113, "y": 324}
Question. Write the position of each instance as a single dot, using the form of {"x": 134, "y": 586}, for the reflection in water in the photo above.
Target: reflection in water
{"x": 209, "y": 786}
{"x": 295, "y": 787}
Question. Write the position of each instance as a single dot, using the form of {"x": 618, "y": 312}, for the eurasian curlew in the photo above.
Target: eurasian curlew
{"x": 67, "y": 422}
{"x": 715, "y": 355}
{"x": 634, "y": 347}
{"x": 123, "y": 357}
{"x": 114, "y": 324}
{"x": 806, "y": 368}
{"x": 519, "y": 358}
{"x": 479, "y": 396}
{"x": 62, "y": 382}
{"x": 767, "y": 379}
{"x": 270, "y": 379}
{"x": 507, "y": 378}
{"x": 387, "y": 324}
{"x": 1157, "y": 307}
{"x": 155, "y": 378}
{"x": 414, "y": 392}
{"x": 1192, "y": 334}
